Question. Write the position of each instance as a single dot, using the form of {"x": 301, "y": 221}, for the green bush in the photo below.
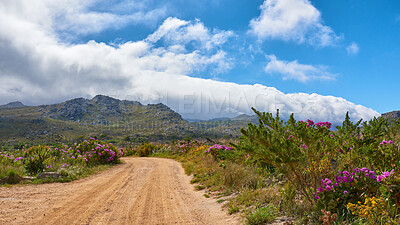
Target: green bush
{"x": 145, "y": 149}
{"x": 7, "y": 165}
{"x": 35, "y": 159}
{"x": 330, "y": 170}
{"x": 13, "y": 177}
{"x": 129, "y": 150}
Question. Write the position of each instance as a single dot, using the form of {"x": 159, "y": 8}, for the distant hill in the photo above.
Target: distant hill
{"x": 228, "y": 127}
{"x": 12, "y": 105}
{"x": 100, "y": 116}
{"x": 246, "y": 118}
{"x": 391, "y": 115}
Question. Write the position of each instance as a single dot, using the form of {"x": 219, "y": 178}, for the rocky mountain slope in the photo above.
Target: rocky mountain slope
{"x": 99, "y": 116}
{"x": 109, "y": 118}
{"x": 391, "y": 115}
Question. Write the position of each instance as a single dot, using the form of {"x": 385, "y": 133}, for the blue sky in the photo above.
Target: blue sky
{"x": 368, "y": 77}
{"x": 346, "y": 52}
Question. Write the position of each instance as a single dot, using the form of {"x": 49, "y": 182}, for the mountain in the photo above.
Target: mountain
{"x": 101, "y": 116}
{"x": 391, "y": 115}
{"x": 246, "y": 118}
{"x": 12, "y": 105}
{"x": 226, "y": 127}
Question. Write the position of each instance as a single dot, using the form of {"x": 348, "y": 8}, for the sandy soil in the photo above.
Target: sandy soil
{"x": 140, "y": 191}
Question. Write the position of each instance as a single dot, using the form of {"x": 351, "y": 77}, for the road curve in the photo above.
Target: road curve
{"x": 139, "y": 191}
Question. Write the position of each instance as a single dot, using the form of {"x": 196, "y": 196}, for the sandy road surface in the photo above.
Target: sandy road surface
{"x": 140, "y": 191}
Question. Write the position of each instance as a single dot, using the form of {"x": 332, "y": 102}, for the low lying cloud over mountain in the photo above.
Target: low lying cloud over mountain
{"x": 39, "y": 66}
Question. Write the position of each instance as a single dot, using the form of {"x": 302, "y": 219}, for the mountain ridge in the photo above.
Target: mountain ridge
{"x": 101, "y": 115}
{"x": 12, "y": 105}
{"x": 391, "y": 115}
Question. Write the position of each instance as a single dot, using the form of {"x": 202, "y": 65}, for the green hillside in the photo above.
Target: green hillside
{"x": 101, "y": 116}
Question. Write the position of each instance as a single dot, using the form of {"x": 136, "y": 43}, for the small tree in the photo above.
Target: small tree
{"x": 294, "y": 148}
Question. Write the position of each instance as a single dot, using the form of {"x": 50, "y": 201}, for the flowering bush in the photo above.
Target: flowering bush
{"x": 372, "y": 211}
{"x": 186, "y": 145}
{"x": 200, "y": 149}
{"x": 96, "y": 152}
{"x": 308, "y": 153}
{"x": 218, "y": 151}
{"x": 36, "y": 158}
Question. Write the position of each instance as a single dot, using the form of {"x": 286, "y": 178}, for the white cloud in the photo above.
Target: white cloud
{"x": 353, "y": 49}
{"x": 176, "y": 31}
{"x": 37, "y": 68}
{"x": 70, "y": 18}
{"x": 296, "y": 71}
{"x": 292, "y": 20}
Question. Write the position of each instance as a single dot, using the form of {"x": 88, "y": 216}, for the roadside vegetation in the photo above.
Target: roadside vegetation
{"x": 301, "y": 172}
{"x": 62, "y": 163}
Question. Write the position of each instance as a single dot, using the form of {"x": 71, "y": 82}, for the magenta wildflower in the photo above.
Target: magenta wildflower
{"x": 328, "y": 188}
{"x": 310, "y": 123}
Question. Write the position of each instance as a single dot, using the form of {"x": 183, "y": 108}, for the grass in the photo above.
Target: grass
{"x": 67, "y": 175}
{"x": 233, "y": 209}
{"x": 199, "y": 187}
{"x": 263, "y": 215}
{"x": 73, "y": 174}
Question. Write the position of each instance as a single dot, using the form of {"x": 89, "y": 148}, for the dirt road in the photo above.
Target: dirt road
{"x": 140, "y": 191}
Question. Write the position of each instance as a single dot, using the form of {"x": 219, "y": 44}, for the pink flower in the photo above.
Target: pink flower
{"x": 328, "y": 188}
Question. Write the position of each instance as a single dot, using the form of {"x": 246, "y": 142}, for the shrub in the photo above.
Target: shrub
{"x": 13, "y": 177}
{"x": 129, "y": 150}
{"x": 187, "y": 145}
{"x": 35, "y": 159}
{"x": 291, "y": 147}
{"x": 94, "y": 152}
{"x": 372, "y": 211}
{"x": 7, "y": 165}
{"x": 219, "y": 152}
{"x": 331, "y": 170}
{"x": 145, "y": 149}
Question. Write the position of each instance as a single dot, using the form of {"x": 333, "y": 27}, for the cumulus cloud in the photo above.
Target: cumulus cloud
{"x": 176, "y": 31}
{"x": 37, "y": 68}
{"x": 292, "y": 20}
{"x": 353, "y": 49}
{"x": 68, "y": 18}
{"x": 296, "y": 71}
